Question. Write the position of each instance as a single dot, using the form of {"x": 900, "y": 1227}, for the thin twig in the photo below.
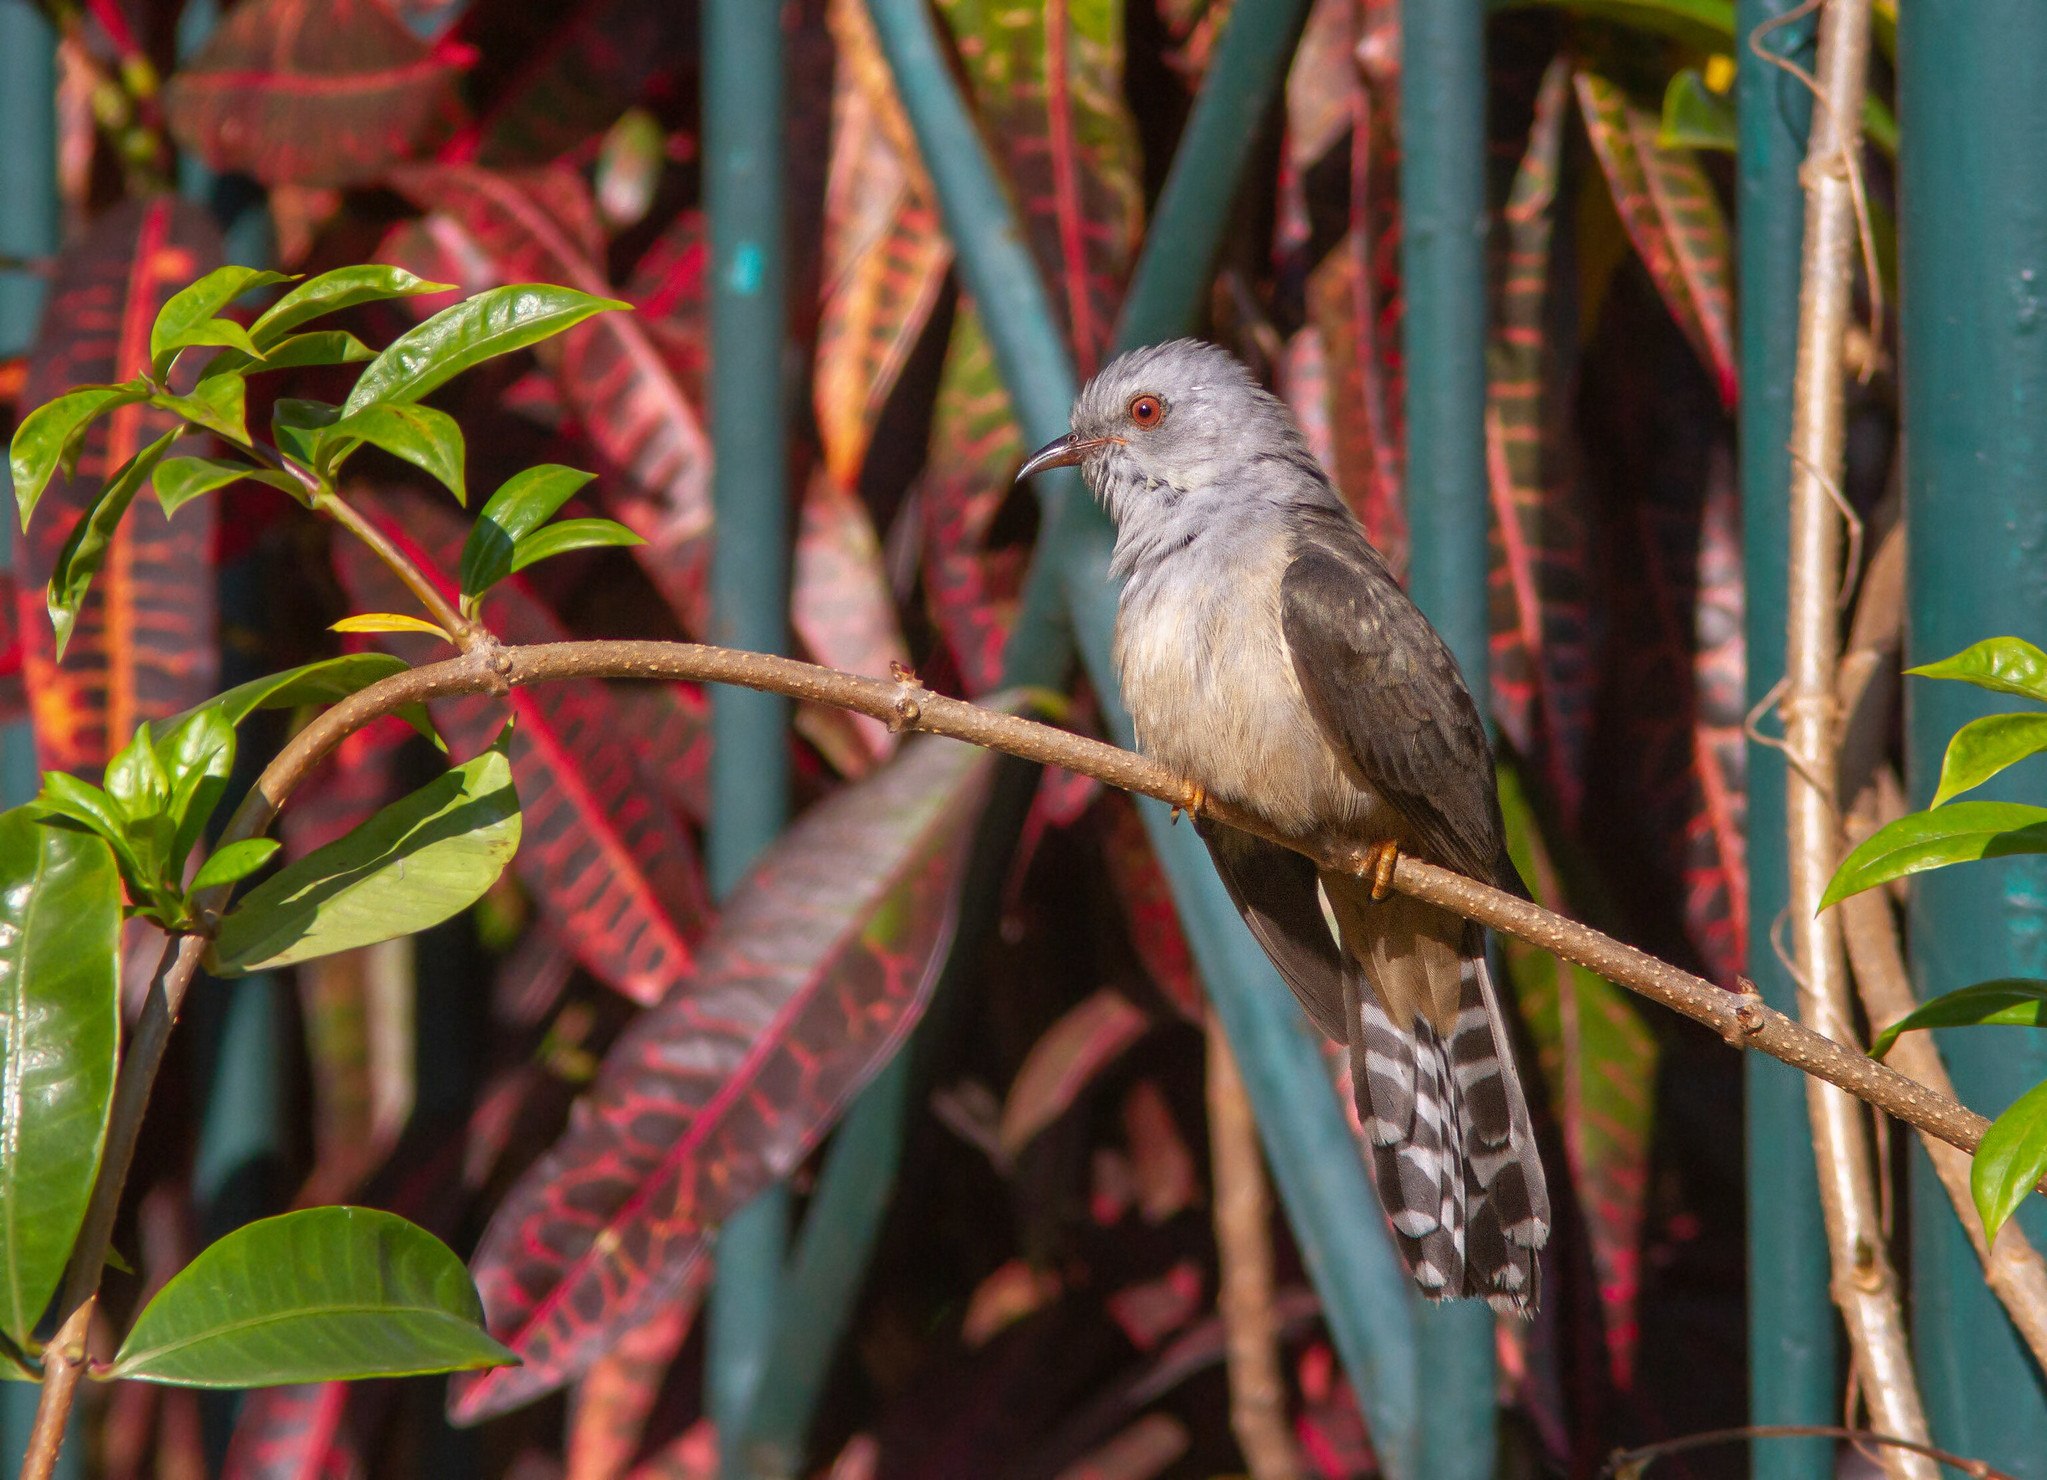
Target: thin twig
{"x": 63, "y": 1364}
{"x": 1243, "y": 1241}
{"x": 1630, "y": 1463}
{"x": 1865, "y": 1285}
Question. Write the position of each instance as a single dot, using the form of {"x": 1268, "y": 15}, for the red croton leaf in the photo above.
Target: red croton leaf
{"x": 144, "y": 646}
{"x": 1048, "y": 84}
{"x": 603, "y": 854}
{"x": 314, "y": 92}
{"x": 1086, "y": 1039}
{"x": 819, "y": 965}
{"x": 293, "y": 1433}
{"x": 1672, "y": 216}
{"x": 541, "y": 226}
{"x": 844, "y": 614}
{"x": 1543, "y": 682}
{"x": 1148, "y": 909}
{"x": 608, "y": 1417}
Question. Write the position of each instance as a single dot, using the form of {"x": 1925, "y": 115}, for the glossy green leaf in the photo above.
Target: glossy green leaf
{"x": 330, "y": 292}
{"x": 428, "y": 439}
{"x": 570, "y": 534}
{"x": 420, "y": 860}
{"x": 187, "y": 317}
{"x": 2007, "y": 665}
{"x": 197, "y": 753}
{"x": 315, "y": 1296}
{"x": 219, "y": 405}
{"x": 1694, "y": 116}
{"x": 322, "y": 347}
{"x": 84, "y": 552}
{"x": 324, "y": 682}
{"x": 523, "y": 503}
{"x": 1983, "y": 747}
{"x": 234, "y": 863}
{"x": 2012, "y": 1158}
{"x": 296, "y": 425}
{"x": 179, "y": 480}
{"x": 1957, "y": 833}
{"x": 136, "y": 778}
{"x": 477, "y": 329}
{"x": 60, "y": 979}
{"x": 2016, "y": 1001}
{"x": 49, "y": 436}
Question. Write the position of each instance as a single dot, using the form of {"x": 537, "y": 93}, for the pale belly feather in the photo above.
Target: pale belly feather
{"x": 1210, "y": 683}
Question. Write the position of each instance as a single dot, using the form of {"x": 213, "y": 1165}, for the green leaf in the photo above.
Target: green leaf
{"x": 295, "y": 427}
{"x": 428, "y": 439}
{"x": 422, "y": 859}
{"x": 50, "y": 434}
{"x": 1694, "y": 116}
{"x": 323, "y": 347}
{"x": 1983, "y": 747}
{"x": 80, "y": 559}
{"x": 477, "y": 329}
{"x": 330, "y": 292}
{"x": 234, "y": 863}
{"x": 326, "y": 682}
{"x": 321, "y": 1295}
{"x": 187, "y": 317}
{"x": 1957, "y": 833}
{"x": 219, "y": 404}
{"x": 2010, "y": 1000}
{"x": 60, "y": 982}
{"x": 179, "y": 480}
{"x": 2012, "y": 1158}
{"x": 570, "y": 534}
{"x": 523, "y": 503}
{"x": 2008, "y": 665}
{"x": 135, "y": 777}
{"x": 197, "y": 753}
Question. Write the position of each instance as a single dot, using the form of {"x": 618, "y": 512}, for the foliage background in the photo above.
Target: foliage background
{"x": 1043, "y": 1291}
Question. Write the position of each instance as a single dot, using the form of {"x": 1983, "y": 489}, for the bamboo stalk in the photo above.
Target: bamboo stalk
{"x": 1865, "y": 1286}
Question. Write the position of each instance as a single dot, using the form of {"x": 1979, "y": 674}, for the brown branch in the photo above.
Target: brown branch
{"x": 904, "y": 704}
{"x": 1865, "y": 1284}
{"x": 1633, "y": 1462}
{"x": 1243, "y": 1241}
{"x": 63, "y": 1364}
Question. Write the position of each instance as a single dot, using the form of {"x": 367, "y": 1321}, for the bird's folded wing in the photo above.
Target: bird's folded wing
{"x": 1274, "y": 889}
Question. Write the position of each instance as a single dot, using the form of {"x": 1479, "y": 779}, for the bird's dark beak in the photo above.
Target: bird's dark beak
{"x": 1063, "y": 452}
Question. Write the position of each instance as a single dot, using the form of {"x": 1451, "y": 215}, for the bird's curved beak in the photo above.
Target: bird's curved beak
{"x": 1062, "y": 452}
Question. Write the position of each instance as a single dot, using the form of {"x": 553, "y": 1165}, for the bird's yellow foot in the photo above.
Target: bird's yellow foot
{"x": 1193, "y": 801}
{"x": 1381, "y": 858}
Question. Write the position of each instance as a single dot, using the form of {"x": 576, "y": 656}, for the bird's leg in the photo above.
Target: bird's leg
{"x": 1193, "y": 801}
{"x": 1380, "y": 859}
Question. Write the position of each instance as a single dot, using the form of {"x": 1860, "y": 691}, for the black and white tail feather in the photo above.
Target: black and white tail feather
{"x": 1453, "y": 1155}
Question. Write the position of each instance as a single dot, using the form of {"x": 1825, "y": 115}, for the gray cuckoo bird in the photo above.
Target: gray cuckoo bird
{"x": 1269, "y": 657}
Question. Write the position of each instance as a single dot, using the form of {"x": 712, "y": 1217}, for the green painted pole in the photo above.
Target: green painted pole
{"x": 1793, "y": 1376}
{"x": 743, "y": 149}
{"x": 1315, "y": 1161}
{"x": 28, "y": 229}
{"x": 1972, "y": 238}
{"x": 1443, "y": 336}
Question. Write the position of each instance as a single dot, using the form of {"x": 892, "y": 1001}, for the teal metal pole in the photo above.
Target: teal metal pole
{"x": 1315, "y": 1161}
{"x": 1793, "y": 1375}
{"x": 858, "y": 1176}
{"x": 1443, "y": 335}
{"x": 742, "y": 127}
{"x": 28, "y": 230}
{"x": 1972, "y": 238}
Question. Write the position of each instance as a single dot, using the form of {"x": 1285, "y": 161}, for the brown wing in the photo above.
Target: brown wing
{"x": 1387, "y": 692}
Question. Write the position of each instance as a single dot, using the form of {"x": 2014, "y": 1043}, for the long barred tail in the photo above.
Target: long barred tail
{"x": 1452, "y": 1152}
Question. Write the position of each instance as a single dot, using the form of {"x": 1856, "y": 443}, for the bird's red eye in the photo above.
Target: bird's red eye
{"x": 1146, "y": 411}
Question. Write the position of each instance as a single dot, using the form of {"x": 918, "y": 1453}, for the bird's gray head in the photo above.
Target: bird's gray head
{"x": 1177, "y": 441}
